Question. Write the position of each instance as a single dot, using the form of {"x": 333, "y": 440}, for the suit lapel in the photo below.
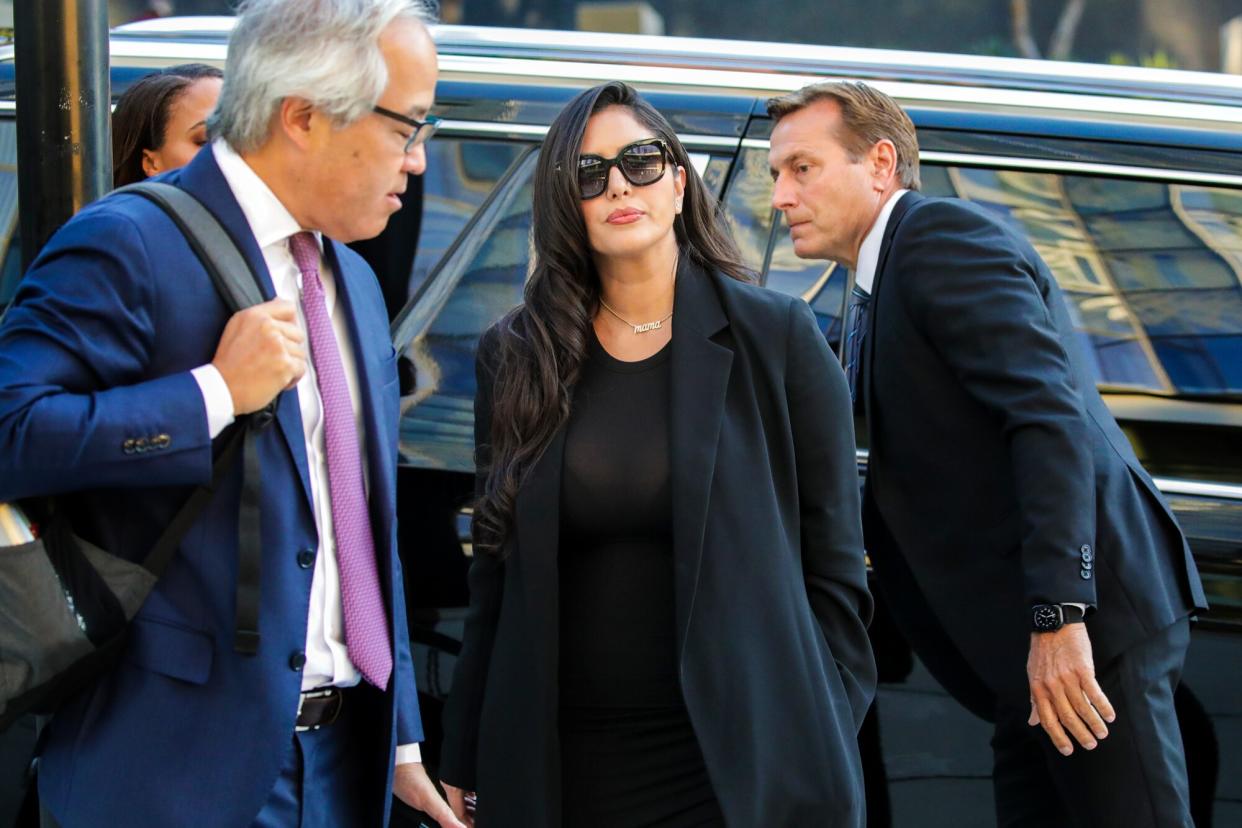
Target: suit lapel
{"x": 202, "y": 178}
{"x": 900, "y": 209}
{"x": 700, "y": 378}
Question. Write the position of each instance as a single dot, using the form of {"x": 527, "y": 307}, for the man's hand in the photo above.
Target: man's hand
{"x": 462, "y": 803}
{"x": 412, "y": 786}
{"x": 261, "y": 353}
{"x": 1064, "y": 692}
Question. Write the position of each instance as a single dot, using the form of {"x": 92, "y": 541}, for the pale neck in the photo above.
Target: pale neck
{"x": 639, "y": 288}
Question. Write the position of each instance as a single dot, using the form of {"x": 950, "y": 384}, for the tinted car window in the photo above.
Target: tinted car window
{"x": 748, "y": 206}
{"x": 1152, "y": 270}
{"x": 478, "y": 283}
{"x": 460, "y": 174}
{"x": 10, "y": 258}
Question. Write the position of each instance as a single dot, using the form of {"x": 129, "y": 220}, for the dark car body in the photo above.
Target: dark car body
{"x": 1127, "y": 181}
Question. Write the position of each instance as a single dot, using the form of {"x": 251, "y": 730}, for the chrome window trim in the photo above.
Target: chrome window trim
{"x": 1167, "y": 485}
{"x": 537, "y": 132}
{"x": 1199, "y": 488}
{"x": 1012, "y": 162}
{"x": 1122, "y": 81}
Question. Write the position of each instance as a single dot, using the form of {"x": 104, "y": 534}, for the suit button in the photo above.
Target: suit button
{"x": 297, "y": 661}
{"x": 140, "y": 445}
{"x": 128, "y": 446}
{"x": 163, "y": 441}
{"x": 1085, "y": 574}
{"x": 1087, "y": 555}
{"x": 1087, "y": 566}
{"x": 306, "y": 558}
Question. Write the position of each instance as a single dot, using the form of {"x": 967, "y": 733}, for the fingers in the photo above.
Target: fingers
{"x": 1070, "y": 720}
{"x": 457, "y": 801}
{"x": 439, "y": 810}
{"x": 1098, "y": 700}
{"x": 1052, "y": 725}
{"x": 1086, "y": 712}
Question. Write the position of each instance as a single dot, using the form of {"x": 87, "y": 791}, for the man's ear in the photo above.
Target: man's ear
{"x": 882, "y": 159}
{"x": 296, "y": 116}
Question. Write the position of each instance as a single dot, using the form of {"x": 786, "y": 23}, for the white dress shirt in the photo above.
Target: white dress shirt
{"x": 869, "y": 253}
{"x": 327, "y": 659}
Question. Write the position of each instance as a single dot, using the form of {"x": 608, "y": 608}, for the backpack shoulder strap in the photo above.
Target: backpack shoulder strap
{"x": 234, "y": 278}
{"x": 239, "y": 286}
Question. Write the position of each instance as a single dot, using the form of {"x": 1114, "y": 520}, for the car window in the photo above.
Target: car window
{"x": 10, "y": 252}
{"x": 481, "y": 279}
{"x": 748, "y": 207}
{"x": 461, "y": 172}
{"x": 1152, "y": 271}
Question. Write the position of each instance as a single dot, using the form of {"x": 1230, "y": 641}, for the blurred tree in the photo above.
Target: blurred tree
{"x": 1062, "y": 36}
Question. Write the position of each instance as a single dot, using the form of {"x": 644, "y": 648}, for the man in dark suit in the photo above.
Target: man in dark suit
{"x": 120, "y": 366}
{"x": 1004, "y": 507}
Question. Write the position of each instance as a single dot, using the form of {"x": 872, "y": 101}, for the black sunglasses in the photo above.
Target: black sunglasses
{"x": 422, "y": 129}
{"x": 641, "y": 162}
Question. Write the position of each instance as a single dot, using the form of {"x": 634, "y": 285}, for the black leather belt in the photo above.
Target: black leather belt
{"x": 319, "y": 708}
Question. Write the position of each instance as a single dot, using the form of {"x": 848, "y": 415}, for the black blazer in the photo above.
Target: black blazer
{"x": 996, "y": 472}
{"x": 771, "y": 594}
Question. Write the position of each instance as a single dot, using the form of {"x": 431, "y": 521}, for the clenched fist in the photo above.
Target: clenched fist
{"x": 261, "y": 353}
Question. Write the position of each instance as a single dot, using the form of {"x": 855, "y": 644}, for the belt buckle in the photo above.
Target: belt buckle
{"x": 325, "y": 692}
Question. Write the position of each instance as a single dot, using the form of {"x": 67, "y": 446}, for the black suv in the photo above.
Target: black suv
{"x": 1127, "y": 181}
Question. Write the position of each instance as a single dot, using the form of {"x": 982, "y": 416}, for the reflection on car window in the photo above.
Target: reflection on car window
{"x": 1153, "y": 271}
{"x": 10, "y": 258}
{"x": 477, "y": 286}
{"x": 748, "y": 207}
{"x": 460, "y": 175}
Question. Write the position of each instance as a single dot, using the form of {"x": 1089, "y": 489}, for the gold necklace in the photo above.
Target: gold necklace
{"x": 644, "y": 327}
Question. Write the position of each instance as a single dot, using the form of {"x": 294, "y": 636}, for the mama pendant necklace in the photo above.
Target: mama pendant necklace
{"x": 640, "y": 328}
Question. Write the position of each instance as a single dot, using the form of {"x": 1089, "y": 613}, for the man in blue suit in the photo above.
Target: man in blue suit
{"x": 120, "y": 366}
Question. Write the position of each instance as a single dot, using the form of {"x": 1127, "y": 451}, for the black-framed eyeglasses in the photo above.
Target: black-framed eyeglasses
{"x": 641, "y": 162}
{"x": 423, "y": 129}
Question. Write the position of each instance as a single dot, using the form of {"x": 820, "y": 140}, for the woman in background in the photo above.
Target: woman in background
{"x": 668, "y": 599}
{"x": 160, "y": 122}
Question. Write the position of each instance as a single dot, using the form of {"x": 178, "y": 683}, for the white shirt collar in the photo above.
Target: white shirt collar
{"x": 269, "y": 219}
{"x": 869, "y": 253}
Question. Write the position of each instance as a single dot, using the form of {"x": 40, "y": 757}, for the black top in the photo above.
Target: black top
{"x": 616, "y": 557}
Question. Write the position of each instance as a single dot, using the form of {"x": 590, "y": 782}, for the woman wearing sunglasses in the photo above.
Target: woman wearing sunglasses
{"x": 668, "y": 608}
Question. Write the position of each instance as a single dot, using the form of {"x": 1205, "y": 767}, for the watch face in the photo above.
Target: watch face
{"x": 1047, "y": 617}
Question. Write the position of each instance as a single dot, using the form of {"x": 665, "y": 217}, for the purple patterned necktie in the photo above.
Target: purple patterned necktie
{"x": 362, "y": 602}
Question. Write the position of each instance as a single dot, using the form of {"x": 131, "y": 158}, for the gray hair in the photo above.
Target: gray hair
{"x": 326, "y": 51}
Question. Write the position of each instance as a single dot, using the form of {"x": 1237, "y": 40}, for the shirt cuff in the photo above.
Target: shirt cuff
{"x": 409, "y": 753}
{"x": 216, "y": 398}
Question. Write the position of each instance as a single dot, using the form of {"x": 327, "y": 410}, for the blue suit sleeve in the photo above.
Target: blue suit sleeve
{"x": 75, "y": 355}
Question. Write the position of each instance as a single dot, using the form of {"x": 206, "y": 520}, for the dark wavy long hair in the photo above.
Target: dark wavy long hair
{"x": 542, "y": 343}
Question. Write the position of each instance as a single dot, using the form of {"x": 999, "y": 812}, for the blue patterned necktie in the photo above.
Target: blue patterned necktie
{"x": 860, "y": 301}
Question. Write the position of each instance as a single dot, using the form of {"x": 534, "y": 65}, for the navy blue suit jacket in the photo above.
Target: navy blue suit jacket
{"x": 998, "y": 478}
{"x": 97, "y": 350}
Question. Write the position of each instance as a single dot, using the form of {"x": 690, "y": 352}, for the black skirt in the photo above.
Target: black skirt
{"x": 633, "y": 768}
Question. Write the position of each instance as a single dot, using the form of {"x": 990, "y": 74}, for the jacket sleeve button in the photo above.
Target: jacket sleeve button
{"x": 306, "y": 558}
{"x": 1085, "y": 574}
{"x": 128, "y": 446}
{"x": 297, "y": 661}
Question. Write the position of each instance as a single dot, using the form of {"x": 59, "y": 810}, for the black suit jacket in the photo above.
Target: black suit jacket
{"x": 998, "y": 478}
{"x": 771, "y": 594}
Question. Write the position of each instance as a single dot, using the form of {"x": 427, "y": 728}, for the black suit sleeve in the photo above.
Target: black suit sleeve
{"x": 973, "y": 292}
{"x": 831, "y": 519}
{"x": 464, "y": 709}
